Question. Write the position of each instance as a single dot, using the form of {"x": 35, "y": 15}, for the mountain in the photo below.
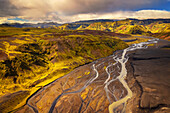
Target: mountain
{"x": 98, "y": 20}
{"x": 124, "y": 26}
{"x": 38, "y": 25}
{"x": 159, "y": 28}
{"x": 80, "y": 25}
{"x": 72, "y": 26}
{"x": 111, "y": 24}
{"x": 128, "y": 26}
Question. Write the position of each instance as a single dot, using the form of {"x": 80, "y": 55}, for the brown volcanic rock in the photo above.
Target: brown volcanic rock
{"x": 151, "y": 69}
{"x": 153, "y": 75}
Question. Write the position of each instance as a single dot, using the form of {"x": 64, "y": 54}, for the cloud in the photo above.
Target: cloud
{"x": 12, "y": 19}
{"x": 40, "y": 8}
{"x": 8, "y": 9}
{"x": 96, "y": 6}
{"x": 145, "y": 14}
{"x": 33, "y": 8}
{"x": 141, "y": 14}
{"x": 71, "y": 7}
{"x": 73, "y": 10}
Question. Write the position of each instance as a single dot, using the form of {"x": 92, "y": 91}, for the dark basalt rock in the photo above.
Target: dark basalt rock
{"x": 151, "y": 69}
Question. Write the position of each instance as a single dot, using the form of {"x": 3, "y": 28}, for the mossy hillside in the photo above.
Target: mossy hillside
{"x": 35, "y": 57}
{"x": 40, "y": 53}
{"x": 137, "y": 27}
{"x": 74, "y": 26}
{"x": 114, "y": 27}
{"x": 154, "y": 28}
{"x": 163, "y": 35}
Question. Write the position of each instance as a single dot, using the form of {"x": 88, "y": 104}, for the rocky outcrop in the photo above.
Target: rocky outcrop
{"x": 151, "y": 70}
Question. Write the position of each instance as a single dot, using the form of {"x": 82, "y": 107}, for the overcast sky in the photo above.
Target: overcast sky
{"x": 73, "y": 10}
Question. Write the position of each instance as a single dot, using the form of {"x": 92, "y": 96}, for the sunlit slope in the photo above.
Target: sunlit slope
{"x": 125, "y": 27}
{"x": 74, "y": 26}
{"x": 28, "y": 53}
{"x": 30, "y": 58}
{"x": 128, "y": 26}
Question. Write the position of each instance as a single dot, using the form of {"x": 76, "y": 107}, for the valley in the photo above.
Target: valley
{"x": 86, "y": 66}
{"x": 101, "y": 85}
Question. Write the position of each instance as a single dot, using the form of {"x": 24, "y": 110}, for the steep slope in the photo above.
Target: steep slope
{"x": 128, "y": 26}
{"x": 125, "y": 26}
{"x": 137, "y": 30}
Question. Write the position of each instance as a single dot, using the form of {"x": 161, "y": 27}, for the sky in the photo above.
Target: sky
{"x": 63, "y": 11}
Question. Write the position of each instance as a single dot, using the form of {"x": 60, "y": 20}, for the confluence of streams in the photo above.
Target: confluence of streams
{"x": 119, "y": 64}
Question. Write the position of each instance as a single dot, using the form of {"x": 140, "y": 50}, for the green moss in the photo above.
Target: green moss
{"x": 141, "y": 27}
{"x": 46, "y": 54}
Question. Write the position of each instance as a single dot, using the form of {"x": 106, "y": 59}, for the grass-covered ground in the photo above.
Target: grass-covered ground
{"x": 159, "y": 28}
{"x": 31, "y": 58}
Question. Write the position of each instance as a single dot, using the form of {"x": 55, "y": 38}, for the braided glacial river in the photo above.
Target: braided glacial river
{"x": 123, "y": 74}
{"x": 96, "y": 87}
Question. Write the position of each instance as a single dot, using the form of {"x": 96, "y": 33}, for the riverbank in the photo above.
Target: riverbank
{"x": 149, "y": 79}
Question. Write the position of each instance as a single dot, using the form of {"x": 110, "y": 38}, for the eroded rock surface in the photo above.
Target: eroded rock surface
{"x": 151, "y": 69}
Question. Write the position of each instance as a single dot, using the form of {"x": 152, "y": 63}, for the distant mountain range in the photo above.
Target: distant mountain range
{"x": 109, "y": 25}
{"x": 98, "y": 20}
{"x": 54, "y": 24}
{"x": 40, "y": 25}
{"x": 85, "y": 23}
{"x": 153, "y": 27}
